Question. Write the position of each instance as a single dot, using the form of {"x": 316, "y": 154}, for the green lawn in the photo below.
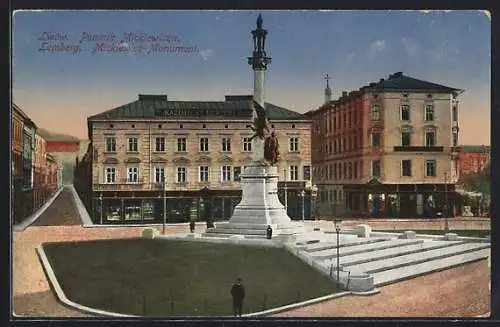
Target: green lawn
{"x": 459, "y": 232}
{"x": 165, "y": 278}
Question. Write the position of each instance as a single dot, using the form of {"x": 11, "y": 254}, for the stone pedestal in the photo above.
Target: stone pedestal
{"x": 259, "y": 207}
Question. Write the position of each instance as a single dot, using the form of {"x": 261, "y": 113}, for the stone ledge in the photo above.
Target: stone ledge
{"x": 56, "y": 287}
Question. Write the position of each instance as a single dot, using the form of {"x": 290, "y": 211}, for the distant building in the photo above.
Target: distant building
{"x": 32, "y": 168}
{"x": 199, "y": 149}
{"x": 387, "y": 149}
{"x": 65, "y": 149}
{"x": 472, "y": 159}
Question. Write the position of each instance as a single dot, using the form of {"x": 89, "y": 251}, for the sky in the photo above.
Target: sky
{"x": 60, "y": 89}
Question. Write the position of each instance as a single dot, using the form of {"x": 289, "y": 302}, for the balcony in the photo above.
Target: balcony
{"x": 418, "y": 149}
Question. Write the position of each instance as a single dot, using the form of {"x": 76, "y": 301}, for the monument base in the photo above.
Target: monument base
{"x": 259, "y": 207}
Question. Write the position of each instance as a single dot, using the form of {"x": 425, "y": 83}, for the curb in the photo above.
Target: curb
{"x": 60, "y": 294}
{"x": 82, "y": 211}
{"x": 62, "y": 297}
{"x": 31, "y": 219}
{"x": 297, "y": 305}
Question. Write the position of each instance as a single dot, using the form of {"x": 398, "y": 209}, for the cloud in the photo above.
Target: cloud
{"x": 376, "y": 47}
{"x": 410, "y": 46}
{"x": 445, "y": 52}
{"x": 207, "y": 54}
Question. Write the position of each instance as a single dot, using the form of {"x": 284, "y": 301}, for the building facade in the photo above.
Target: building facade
{"x": 17, "y": 149}
{"x": 32, "y": 168}
{"x": 472, "y": 159}
{"x": 154, "y": 154}
{"x": 387, "y": 149}
{"x": 65, "y": 150}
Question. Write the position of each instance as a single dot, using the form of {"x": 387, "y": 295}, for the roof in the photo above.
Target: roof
{"x": 396, "y": 82}
{"x": 159, "y": 107}
{"x": 27, "y": 119}
{"x": 50, "y": 136}
{"x": 473, "y": 148}
{"x": 399, "y": 81}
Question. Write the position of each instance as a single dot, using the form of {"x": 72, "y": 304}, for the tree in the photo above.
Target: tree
{"x": 479, "y": 182}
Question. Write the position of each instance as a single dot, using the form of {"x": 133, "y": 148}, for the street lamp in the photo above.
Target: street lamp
{"x": 286, "y": 191}
{"x": 100, "y": 198}
{"x": 314, "y": 194}
{"x": 338, "y": 224}
{"x": 164, "y": 204}
{"x": 446, "y": 227}
{"x": 302, "y": 195}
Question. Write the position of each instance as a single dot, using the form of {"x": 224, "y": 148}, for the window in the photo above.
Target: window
{"x": 455, "y": 139}
{"x": 405, "y": 112}
{"x": 225, "y": 173}
{"x": 430, "y": 138}
{"x": 429, "y": 112}
{"x": 181, "y": 144}
{"x": 294, "y": 173}
{"x": 355, "y": 170}
{"x": 355, "y": 142}
{"x": 132, "y": 175}
{"x": 376, "y": 168}
{"x": 204, "y": 144}
{"x": 334, "y": 171}
{"x": 455, "y": 112}
{"x": 160, "y": 144}
{"x": 203, "y": 173}
{"x": 406, "y": 168}
{"x": 375, "y": 112}
{"x": 307, "y": 172}
{"x": 430, "y": 168}
{"x": 110, "y": 175}
{"x": 294, "y": 144}
{"x": 349, "y": 170}
{"x": 406, "y": 139}
{"x": 226, "y": 144}
{"x": 237, "y": 173}
{"x": 133, "y": 144}
{"x": 247, "y": 144}
{"x": 110, "y": 144}
{"x": 159, "y": 174}
{"x": 181, "y": 175}
{"x": 375, "y": 140}
{"x": 344, "y": 170}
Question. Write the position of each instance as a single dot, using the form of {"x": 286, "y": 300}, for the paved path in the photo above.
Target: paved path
{"x": 61, "y": 212}
{"x": 446, "y": 293}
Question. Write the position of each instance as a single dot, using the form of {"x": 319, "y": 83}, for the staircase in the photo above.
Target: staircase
{"x": 368, "y": 262}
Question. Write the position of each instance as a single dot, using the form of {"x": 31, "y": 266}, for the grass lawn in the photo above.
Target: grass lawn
{"x": 165, "y": 278}
{"x": 459, "y": 232}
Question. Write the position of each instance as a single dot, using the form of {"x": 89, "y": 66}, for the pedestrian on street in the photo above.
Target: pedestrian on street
{"x": 238, "y": 293}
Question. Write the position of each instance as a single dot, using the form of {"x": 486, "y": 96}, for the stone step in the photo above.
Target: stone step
{"x": 398, "y": 274}
{"x": 236, "y": 231}
{"x": 392, "y": 252}
{"x": 333, "y": 245}
{"x": 364, "y": 248}
{"x": 233, "y": 225}
{"x": 222, "y": 235}
{"x": 416, "y": 258}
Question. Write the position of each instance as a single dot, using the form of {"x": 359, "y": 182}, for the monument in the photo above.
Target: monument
{"x": 260, "y": 206}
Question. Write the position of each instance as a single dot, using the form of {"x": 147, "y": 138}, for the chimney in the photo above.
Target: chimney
{"x": 381, "y": 80}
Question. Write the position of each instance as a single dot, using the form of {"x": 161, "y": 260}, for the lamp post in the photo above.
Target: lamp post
{"x": 446, "y": 227}
{"x": 338, "y": 224}
{"x": 286, "y": 191}
{"x": 164, "y": 204}
{"x": 314, "y": 194}
{"x": 100, "y": 198}
{"x": 302, "y": 195}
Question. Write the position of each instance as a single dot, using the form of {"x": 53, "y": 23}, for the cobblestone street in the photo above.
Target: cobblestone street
{"x": 431, "y": 295}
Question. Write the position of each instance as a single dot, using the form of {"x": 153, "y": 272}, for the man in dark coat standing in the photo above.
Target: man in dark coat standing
{"x": 238, "y": 293}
